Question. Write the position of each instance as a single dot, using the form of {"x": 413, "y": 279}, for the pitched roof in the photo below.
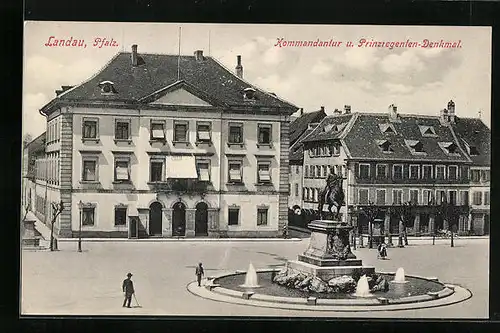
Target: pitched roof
{"x": 473, "y": 132}
{"x": 158, "y": 71}
{"x": 301, "y": 124}
{"x": 37, "y": 145}
{"x": 364, "y": 134}
{"x": 297, "y": 149}
{"x": 330, "y": 128}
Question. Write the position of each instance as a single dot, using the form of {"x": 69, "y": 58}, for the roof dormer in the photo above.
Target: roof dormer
{"x": 249, "y": 94}
{"x": 387, "y": 128}
{"x": 385, "y": 146}
{"x": 449, "y": 148}
{"x": 334, "y": 127}
{"x": 107, "y": 88}
{"x": 416, "y": 147}
{"x": 427, "y": 130}
{"x": 471, "y": 149}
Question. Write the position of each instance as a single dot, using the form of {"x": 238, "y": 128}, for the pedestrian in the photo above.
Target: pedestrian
{"x": 128, "y": 290}
{"x": 382, "y": 250}
{"x": 199, "y": 273}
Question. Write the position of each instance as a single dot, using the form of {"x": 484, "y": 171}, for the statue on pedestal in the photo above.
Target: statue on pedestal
{"x": 332, "y": 194}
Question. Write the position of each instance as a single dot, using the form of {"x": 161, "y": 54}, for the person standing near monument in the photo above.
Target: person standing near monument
{"x": 199, "y": 273}
{"x": 128, "y": 290}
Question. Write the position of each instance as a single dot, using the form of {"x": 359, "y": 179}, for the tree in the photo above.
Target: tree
{"x": 451, "y": 214}
{"x": 370, "y": 211}
{"x": 405, "y": 214}
{"x": 57, "y": 208}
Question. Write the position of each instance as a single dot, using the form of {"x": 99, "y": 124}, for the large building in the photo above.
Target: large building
{"x": 300, "y": 128}
{"x": 159, "y": 145}
{"x": 389, "y": 158}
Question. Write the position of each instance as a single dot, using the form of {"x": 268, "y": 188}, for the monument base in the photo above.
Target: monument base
{"x": 327, "y": 273}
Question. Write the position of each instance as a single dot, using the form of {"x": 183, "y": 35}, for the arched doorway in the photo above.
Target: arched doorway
{"x": 201, "y": 220}
{"x": 155, "y": 219}
{"x": 179, "y": 219}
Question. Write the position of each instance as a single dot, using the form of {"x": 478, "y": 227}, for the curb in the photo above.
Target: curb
{"x": 167, "y": 240}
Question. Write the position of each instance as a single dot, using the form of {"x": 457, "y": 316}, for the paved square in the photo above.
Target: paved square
{"x": 67, "y": 282}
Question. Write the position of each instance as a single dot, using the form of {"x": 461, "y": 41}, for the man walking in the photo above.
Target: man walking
{"x": 128, "y": 290}
{"x": 199, "y": 273}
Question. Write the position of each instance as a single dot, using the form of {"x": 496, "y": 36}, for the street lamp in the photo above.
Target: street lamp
{"x": 80, "y": 205}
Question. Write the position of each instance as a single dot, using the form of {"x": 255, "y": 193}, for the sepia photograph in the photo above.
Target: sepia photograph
{"x": 188, "y": 169}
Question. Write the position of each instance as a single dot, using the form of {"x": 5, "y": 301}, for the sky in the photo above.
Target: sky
{"x": 417, "y": 80}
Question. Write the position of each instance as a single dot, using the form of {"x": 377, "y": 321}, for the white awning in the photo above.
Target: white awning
{"x": 181, "y": 167}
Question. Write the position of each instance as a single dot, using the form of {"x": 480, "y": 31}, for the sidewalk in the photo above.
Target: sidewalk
{"x": 39, "y": 226}
{"x": 175, "y": 239}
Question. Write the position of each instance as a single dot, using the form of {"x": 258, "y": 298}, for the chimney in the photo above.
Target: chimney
{"x": 337, "y": 112}
{"x": 322, "y": 108}
{"x": 301, "y": 112}
{"x": 347, "y": 109}
{"x": 198, "y": 55}
{"x": 451, "y": 111}
{"x": 393, "y": 112}
{"x": 239, "y": 67}
{"x": 134, "y": 55}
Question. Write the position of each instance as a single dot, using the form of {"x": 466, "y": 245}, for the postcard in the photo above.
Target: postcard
{"x": 256, "y": 170}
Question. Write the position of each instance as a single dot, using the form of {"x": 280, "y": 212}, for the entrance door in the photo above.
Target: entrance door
{"x": 486, "y": 224}
{"x": 155, "y": 212}
{"x": 201, "y": 220}
{"x": 179, "y": 220}
{"x": 133, "y": 227}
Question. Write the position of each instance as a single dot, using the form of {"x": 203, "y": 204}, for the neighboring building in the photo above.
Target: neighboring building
{"x": 475, "y": 138}
{"x": 161, "y": 145}
{"x": 389, "y": 159}
{"x": 300, "y": 128}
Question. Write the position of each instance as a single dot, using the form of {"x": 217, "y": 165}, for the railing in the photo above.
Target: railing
{"x": 181, "y": 186}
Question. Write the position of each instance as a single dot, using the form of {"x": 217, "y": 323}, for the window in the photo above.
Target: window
{"x": 157, "y": 131}
{"x": 122, "y": 171}
{"x": 325, "y": 171}
{"x": 464, "y": 198}
{"x": 473, "y": 151}
{"x": 385, "y": 146}
{"x": 452, "y": 197}
{"x": 233, "y": 216}
{"x": 453, "y": 172}
{"x": 262, "y": 216}
{"x": 427, "y": 197}
{"x": 440, "y": 172}
{"x": 397, "y": 171}
{"x": 387, "y": 128}
{"x": 485, "y": 175}
{"x": 90, "y": 129}
{"x": 427, "y": 172}
{"x": 296, "y": 169}
{"x": 335, "y": 150}
{"x": 203, "y": 168}
{"x": 441, "y": 197}
{"x": 203, "y": 132}
{"x": 296, "y": 190}
{"x": 414, "y": 172}
{"x": 88, "y": 216}
{"x": 415, "y": 146}
{"x": 89, "y": 170}
{"x": 107, "y": 87}
{"x": 363, "y": 196}
{"x": 343, "y": 171}
{"x": 305, "y": 193}
{"x": 475, "y": 176}
{"x": 427, "y": 130}
{"x": 414, "y": 197}
{"x": 120, "y": 216}
{"x": 264, "y": 134}
{"x": 318, "y": 171}
{"x": 235, "y": 171}
{"x": 156, "y": 172}
{"x": 236, "y": 133}
{"x": 263, "y": 172}
{"x": 477, "y": 198}
{"x": 364, "y": 171}
{"x": 397, "y": 197}
{"x": 180, "y": 131}
{"x": 487, "y": 198}
{"x": 306, "y": 172}
{"x": 381, "y": 171}
{"x": 380, "y": 197}
{"x": 122, "y": 130}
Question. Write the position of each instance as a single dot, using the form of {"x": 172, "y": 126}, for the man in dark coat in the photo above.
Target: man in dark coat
{"x": 199, "y": 273}
{"x": 128, "y": 290}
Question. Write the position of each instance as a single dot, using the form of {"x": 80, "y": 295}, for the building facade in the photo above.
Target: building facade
{"x": 161, "y": 146}
{"x": 300, "y": 128}
{"x": 390, "y": 159}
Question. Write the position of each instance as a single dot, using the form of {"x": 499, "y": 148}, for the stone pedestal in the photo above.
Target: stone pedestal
{"x": 29, "y": 236}
{"x": 329, "y": 253}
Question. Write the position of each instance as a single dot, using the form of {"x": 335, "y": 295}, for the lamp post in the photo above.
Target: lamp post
{"x": 80, "y": 205}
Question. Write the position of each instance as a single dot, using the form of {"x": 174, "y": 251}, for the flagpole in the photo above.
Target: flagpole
{"x": 179, "y": 58}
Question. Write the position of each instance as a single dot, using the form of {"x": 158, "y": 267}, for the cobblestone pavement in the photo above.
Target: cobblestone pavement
{"x": 89, "y": 283}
